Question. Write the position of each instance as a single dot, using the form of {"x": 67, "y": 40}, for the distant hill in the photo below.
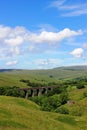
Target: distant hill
{"x": 4, "y": 70}
{"x": 12, "y": 77}
{"x": 80, "y": 67}
{"x": 8, "y": 70}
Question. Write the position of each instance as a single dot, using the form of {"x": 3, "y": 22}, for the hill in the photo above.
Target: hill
{"x": 22, "y": 114}
{"x": 12, "y": 77}
{"x": 79, "y": 67}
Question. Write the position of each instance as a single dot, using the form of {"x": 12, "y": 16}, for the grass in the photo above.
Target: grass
{"x": 67, "y": 119}
{"x": 77, "y": 94}
{"x": 22, "y": 114}
{"x": 9, "y": 123}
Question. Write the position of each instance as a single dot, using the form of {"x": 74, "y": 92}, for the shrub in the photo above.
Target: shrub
{"x": 62, "y": 110}
{"x": 38, "y": 99}
{"x": 51, "y": 103}
{"x": 80, "y": 86}
{"x": 2, "y": 90}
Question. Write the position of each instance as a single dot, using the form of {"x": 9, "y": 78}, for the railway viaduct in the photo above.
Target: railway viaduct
{"x": 36, "y": 91}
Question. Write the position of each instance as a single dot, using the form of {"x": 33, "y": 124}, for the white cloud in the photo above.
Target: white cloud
{"x": 18, "y": 35}
{"x": 14, "y": 41}
{"x": 4, "y": 31}
{"x": 12, "y": 36}
{"x": 77, "y": 53}
{"x": 52, "y": 37}
{"x": 76, "y": 12}
{"x": 57, "y": 3}
{"x": 11, "y": 63}
{"x": 70, "y": 9}
{"x": 47, "y": 63}
{"x": 9, "y": 52}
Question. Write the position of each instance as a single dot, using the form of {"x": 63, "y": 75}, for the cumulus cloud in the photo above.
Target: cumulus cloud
{"x": 14, "y": 41}
{"x": 4, "y": 31}
{"x": 12, "y": 36}
{"x": 77, "y": 53}
{"x": 17, "y": 39}
{"x": 10, "y": 63}
{"x": 51, "y": 37}
{"x": 18, "y": 35}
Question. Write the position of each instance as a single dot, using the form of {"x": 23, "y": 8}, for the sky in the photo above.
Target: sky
{"x": 42, "y": 34}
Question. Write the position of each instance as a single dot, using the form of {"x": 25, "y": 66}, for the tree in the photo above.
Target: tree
{"x": 11, "y": 91}
{"x": 51, "y": 103}
{"x": 64, "y": 97}
{"x": 2, "y": 90}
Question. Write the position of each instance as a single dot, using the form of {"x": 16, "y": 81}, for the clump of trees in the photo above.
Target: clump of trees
{"x": 11, "y": 91}
{"x": 51, "y": 103}
{"x": 80, "y": 86}
{"x": 57, "y": 90}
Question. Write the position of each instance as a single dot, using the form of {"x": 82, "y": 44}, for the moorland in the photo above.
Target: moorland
{"x": 63, "y": 108}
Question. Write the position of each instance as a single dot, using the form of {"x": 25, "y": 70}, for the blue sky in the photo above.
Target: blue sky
{"x": 42, "y": 34}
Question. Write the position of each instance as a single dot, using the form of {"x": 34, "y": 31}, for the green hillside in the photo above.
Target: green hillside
{"x": 13, "y": 77}
{"x": 22, "y": 114}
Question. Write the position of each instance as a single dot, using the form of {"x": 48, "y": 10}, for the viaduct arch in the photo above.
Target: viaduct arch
{"x": 36, "y": 91}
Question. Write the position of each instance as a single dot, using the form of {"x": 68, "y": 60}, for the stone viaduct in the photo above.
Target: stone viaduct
{"x": 36, "y": 91}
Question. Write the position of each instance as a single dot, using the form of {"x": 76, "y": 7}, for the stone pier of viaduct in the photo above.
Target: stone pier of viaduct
{"x": 36, "y": 91}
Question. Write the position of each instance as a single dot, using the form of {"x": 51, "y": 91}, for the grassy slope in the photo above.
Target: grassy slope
{"x": 80, "y": 101}
{"x": 80, "y": 105}
{"x": 22, "y": 114}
